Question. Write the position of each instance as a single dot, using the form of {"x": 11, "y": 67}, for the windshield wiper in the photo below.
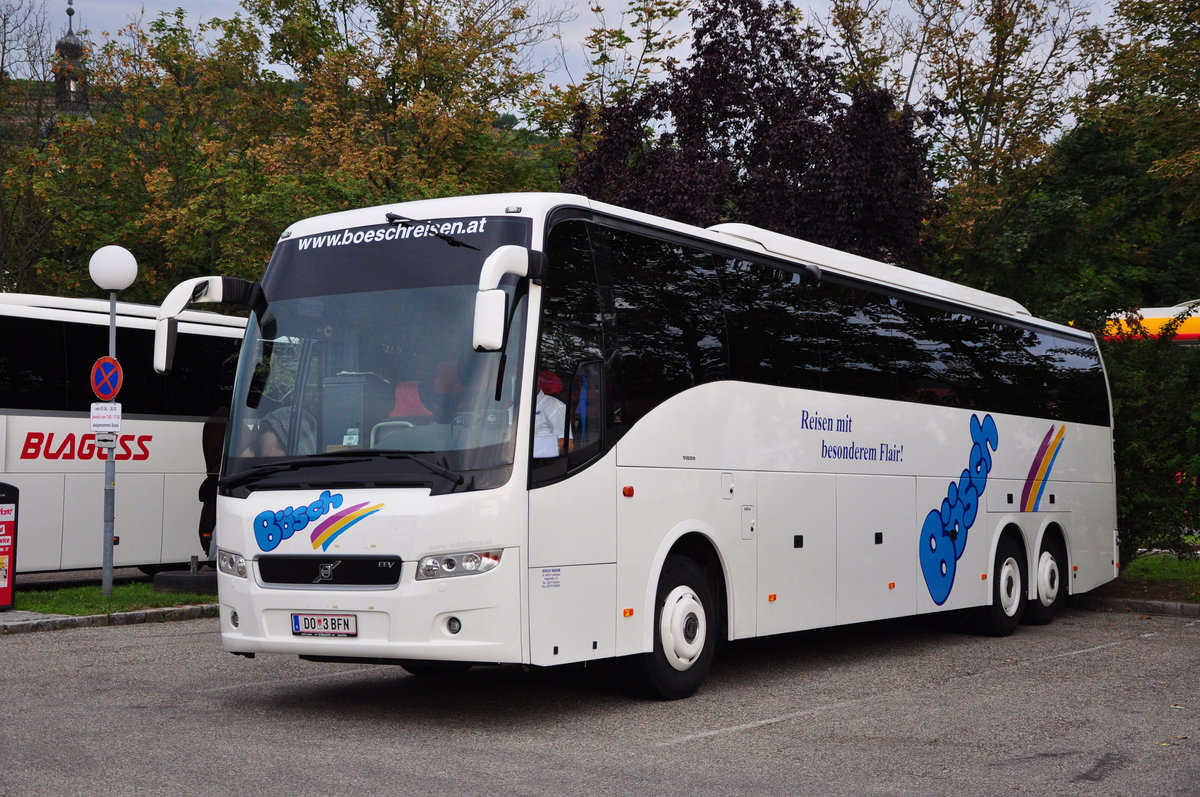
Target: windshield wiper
{"x": 396, "y": 218}
{"x": 432, "y": 467}
{"x": 338, "y": 458}
{"x": 299, "y": 463}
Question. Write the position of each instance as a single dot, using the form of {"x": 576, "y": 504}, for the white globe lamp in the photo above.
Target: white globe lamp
{"x": 113, "y": 268}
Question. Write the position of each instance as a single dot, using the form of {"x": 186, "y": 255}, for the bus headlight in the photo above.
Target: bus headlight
{"x": 449, "y": 565}
{"x": 231, "y": 563}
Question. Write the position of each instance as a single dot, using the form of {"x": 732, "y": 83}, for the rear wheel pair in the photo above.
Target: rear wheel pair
{"x": 1009, "y": 606}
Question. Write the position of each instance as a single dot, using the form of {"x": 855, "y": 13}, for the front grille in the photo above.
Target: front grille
{"x": 329, "y": 571}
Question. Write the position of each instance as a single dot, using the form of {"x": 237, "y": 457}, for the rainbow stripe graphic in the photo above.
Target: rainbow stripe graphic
{"x": 334, "y": 525}
{"x": 1039, "y": 470}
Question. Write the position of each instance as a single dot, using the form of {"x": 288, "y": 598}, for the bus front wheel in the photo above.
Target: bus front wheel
{"x": 683, "y": 633}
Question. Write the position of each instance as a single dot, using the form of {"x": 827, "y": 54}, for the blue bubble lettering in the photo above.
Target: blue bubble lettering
{"x": 273, "y": 527}
{"x": 944, "y": 532}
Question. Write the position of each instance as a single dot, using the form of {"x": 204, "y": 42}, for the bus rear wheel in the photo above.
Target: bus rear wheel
{"x": 683, "y": 633}
{"x": 1003, "y": 616}
{"x": 1051, "y": 591}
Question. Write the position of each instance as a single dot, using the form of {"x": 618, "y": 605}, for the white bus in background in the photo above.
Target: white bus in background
{"x": 762, "y": 436}
{"x": 47, "y": 348}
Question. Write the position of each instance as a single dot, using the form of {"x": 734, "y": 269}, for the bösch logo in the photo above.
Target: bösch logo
{"x": 944, "y": 534}
{"x": 273, "y": 527}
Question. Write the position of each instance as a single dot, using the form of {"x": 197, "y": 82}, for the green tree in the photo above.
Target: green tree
{"x": 1154, "y": 78}
{"x": 1108, "y": 221}
{"x": 26, "y": 111}
{"x": 1154, "y": 384}
{"x": 754, "y": 127}
{"x": 1101, "y": 230}
{"x": 195, "y": 156}
{"x": 168, "y": 163}
{"x": 405, "y": 95}
{"x": 1000, "y": 77}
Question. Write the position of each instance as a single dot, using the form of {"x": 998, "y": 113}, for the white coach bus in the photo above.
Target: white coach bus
{"x": 535, "y": 428}
{"x": 47, "y": 348}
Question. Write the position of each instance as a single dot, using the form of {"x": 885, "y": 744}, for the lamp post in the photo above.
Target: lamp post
{"x": 112, "y": 268}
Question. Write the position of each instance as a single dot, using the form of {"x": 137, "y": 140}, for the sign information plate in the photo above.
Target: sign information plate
{"x": 106, "y": 417}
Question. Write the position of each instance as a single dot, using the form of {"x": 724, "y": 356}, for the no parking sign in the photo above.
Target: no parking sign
{"x": 107, "y": 378}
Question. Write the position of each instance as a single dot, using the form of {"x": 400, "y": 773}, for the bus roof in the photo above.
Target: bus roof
{"x": 835, "y": 260}
{"x": 740, "y": 236}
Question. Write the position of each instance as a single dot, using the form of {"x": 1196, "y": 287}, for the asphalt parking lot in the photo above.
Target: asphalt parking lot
{"x": 1096, "y": 703}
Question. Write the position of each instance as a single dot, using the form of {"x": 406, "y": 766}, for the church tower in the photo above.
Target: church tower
{"x": 70, "y": 78}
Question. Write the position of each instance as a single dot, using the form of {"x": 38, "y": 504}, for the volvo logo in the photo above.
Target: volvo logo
{"x": 325, "y": 571}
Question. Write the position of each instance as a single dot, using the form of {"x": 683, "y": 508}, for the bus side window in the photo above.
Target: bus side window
{"x": 569, "y": 336}
{"x": 568, "y": 394}
{"x": 585, "y": 414}
{"x": 33, "y": 366}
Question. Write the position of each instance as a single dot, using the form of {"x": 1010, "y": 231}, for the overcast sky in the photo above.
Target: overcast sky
{"x": 104, "y": 18}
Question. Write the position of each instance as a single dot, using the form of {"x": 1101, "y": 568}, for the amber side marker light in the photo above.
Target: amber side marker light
{"x": 628, "y": 612}
{"x": 771, "y": 598}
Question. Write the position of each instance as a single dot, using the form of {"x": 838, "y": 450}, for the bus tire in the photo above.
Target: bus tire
{"x": 1003, "y": 616}
{"x": 684, "y": 637}
{"x": 435, "y": 669}
{"x": 1051, "y": 591}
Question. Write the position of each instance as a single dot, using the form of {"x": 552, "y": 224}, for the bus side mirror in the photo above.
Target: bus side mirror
{"x": 491, "y": 311}
{"x": 491, "y": 303}
{"x": 225, "y": 290}
{"x": 165, "y": 332}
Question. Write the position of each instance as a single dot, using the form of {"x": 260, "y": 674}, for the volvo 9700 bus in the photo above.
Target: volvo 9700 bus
{"x": 47, "y": 347}
{"x": 540, "y": 429}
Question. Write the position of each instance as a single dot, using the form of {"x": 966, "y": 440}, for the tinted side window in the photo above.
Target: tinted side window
{"x": 669, "y": 323}
{"x": 201, "y": 378}
{"x": 568, "y": 396}
{"x": 772, "y": 327}
{"x": 865, "y": 342}
{"x": 570, "y": 291}
{"x": 33, "y": 371}
{"x": 909, "y": 349}
{"x": 1076, "y": 390}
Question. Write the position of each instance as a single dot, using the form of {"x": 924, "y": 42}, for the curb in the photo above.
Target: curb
{"x": 1169, "y": 608}
{"x": 60, "y": 622}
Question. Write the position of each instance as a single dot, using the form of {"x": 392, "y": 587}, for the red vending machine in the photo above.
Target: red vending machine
{"x": 8, "y": 544}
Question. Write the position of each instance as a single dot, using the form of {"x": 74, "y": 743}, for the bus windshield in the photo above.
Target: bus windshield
{"x": 361, "y": 369}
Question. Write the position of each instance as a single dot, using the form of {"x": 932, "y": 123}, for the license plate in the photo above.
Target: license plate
{"x": 324, "y": 625}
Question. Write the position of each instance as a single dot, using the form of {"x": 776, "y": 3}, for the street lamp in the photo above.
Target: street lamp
{"x": 112, "y": 268}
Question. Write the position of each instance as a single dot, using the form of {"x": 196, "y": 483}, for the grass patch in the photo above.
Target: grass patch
{"x": 85, "y": 600}
{"x": 1166, "y": 568}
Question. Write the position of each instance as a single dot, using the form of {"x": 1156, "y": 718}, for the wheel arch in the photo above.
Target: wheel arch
{"x": 695, "y": 541}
